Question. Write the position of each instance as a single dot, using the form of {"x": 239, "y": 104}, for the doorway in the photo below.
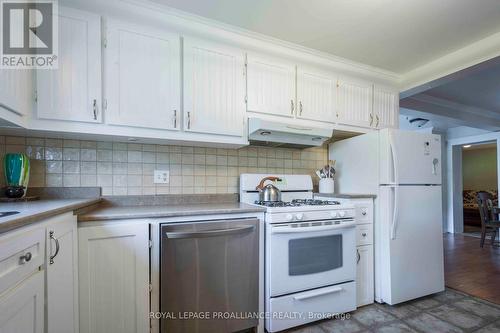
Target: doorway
{"x": 479, "y": 173}
{"x": 472, "y": 166}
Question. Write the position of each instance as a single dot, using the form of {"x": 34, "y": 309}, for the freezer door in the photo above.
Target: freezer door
{"x": 410, "y": 243}
{"x": 408, "y": 157}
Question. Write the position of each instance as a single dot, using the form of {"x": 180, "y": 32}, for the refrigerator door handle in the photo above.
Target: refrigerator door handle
{"x": 395, "y": 212}
{"x": 394, "y": 159}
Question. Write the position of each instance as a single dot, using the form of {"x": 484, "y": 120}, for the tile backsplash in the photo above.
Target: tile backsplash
{"x": 127, "y": 168}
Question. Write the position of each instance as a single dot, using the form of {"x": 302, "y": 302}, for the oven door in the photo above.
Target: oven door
{"x": 309, "y": 255}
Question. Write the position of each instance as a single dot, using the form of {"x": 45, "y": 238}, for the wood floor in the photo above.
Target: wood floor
{"x": 470, "y": 269}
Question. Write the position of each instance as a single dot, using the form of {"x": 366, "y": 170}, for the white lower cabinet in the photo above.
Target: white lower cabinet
{"x": 114, "y": 278}
{"x": 62, "y": 275}
{"x": 364, "y": 275}
{"x": 22, "y": 307}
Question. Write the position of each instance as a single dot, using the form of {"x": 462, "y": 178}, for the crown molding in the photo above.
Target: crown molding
{"x": 424, "y": 77}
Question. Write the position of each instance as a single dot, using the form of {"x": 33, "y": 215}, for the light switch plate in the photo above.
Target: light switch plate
{"x": 161, "y": 177}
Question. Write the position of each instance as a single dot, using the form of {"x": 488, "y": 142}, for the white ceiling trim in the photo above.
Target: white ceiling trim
{"x": 206, "y": 23}
{"x": 473, "y": 54}
{"x": 408, "y": 82}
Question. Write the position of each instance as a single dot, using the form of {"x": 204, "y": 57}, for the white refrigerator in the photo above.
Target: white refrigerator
{"x": 403, "y": 169}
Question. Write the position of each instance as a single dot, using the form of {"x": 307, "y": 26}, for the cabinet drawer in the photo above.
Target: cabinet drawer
{"x": 325, "y": 301}
{"x": 364, "y": 234}
{"x": 20, "y": 256}
{"x": 364, "y": 214}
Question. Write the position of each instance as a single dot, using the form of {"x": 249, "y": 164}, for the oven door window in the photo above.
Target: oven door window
{"x": 314, "y": 255}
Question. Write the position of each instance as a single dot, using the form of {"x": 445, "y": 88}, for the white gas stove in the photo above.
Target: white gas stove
{"x": 310, "y": 252}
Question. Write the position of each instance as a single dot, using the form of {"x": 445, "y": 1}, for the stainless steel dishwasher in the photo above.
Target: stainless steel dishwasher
{"x": 209, "y": 276}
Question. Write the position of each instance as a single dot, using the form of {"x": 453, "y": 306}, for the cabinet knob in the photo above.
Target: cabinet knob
{"x": 363, "y": 213}
{"x": 25, "y": 258}
{"x": 363, "y": 234}
{"x": 189, "y": 120}
{"x": 358, "y": 256}
{"x": 175, "y": 118}
{"x": 378, "y": 120}
{"x": 292, "y": 106}
{"x": 300, "y": 108}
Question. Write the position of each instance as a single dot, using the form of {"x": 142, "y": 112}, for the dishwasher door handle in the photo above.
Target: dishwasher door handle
{"x": 209, "y": 233}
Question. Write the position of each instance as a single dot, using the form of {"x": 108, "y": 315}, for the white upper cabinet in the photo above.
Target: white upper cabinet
{"x": 16, "y": 90}
{"x": 214, "y": 90}
{"x": 270, "y": 86}
{"x": 73, "y": 91}
{"x": 355, "y": 102}
{"x": 142, "y": 77}
{"x": 316, "y": 95}
{"x": 385, "y": 107}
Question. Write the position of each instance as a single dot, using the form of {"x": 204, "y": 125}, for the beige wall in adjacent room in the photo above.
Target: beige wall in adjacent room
{"x": 127, "y": 169}
{"x": 479, "y": 168}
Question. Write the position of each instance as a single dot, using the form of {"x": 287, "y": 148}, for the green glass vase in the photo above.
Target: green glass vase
{"x": 17, "y": 170}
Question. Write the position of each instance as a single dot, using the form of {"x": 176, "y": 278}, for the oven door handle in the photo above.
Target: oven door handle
{"x": 289, "y": 230}
{"x": 317, "y": 293}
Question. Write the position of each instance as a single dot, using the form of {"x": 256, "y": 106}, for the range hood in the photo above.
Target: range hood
{"x": 278, "y": 134}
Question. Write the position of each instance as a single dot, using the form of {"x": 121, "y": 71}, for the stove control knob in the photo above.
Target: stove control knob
{"x": 333, "y": 214}
{"x": 341, "y": 213}
{"x": 299, "y": 216}
{"x": 288, "y": 217}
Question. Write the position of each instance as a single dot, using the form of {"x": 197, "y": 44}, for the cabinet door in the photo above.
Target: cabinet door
{"x": 114, "y": 278}
{"x": 22, "y": 308}
{"x": 16, "y": 90}
{"x": 270, "y": 86}
{"x": 365, "y": 275}
{"x": 73, "y": 91}
{"x": 214, "y": 99}
{"x": 385, "y": 107}
{"x": 62, "y": 275}
{"x": 142, "y": 69}
{"x": 316, "y": 93}
{"x": 355, "y": 102}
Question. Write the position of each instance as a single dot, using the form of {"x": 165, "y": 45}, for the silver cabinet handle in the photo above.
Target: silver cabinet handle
{"x": 363, "y": 213}
{"x": 363, "y": 234}
{"x": 358, "y": 256}
{"x": 376, "y": 117}
{"x": 175, "y": 118}
{"x": 189, "y": 120}
{"x": 292, "y": 106}
{"x": 51, "y": 235}
{"x": 94, "y": 107}
{"x": 371, "y": 119}
{"x": 300, "y": 108}
{"x": 25, "y": 258}
{"x": 209, "y": 233}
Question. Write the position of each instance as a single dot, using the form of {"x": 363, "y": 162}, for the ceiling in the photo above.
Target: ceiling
{"x": 472, "y": 99}
{"x": 393, "y": 35}
{"x": 480, "y": 146}
{"x": 481, "y": 89}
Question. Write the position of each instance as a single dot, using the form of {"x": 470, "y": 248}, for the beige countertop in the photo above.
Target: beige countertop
{"x": 34, "y": 211}
{"x": 159, "y": 211}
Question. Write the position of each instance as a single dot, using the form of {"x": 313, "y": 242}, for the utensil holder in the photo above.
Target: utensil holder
{"x": 326, "y": 185}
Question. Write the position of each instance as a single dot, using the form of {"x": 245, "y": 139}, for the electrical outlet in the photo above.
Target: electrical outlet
{"x": 161, "y": 177}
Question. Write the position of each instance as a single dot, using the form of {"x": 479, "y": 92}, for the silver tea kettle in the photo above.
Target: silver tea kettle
{"x": 269, "y": 192}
